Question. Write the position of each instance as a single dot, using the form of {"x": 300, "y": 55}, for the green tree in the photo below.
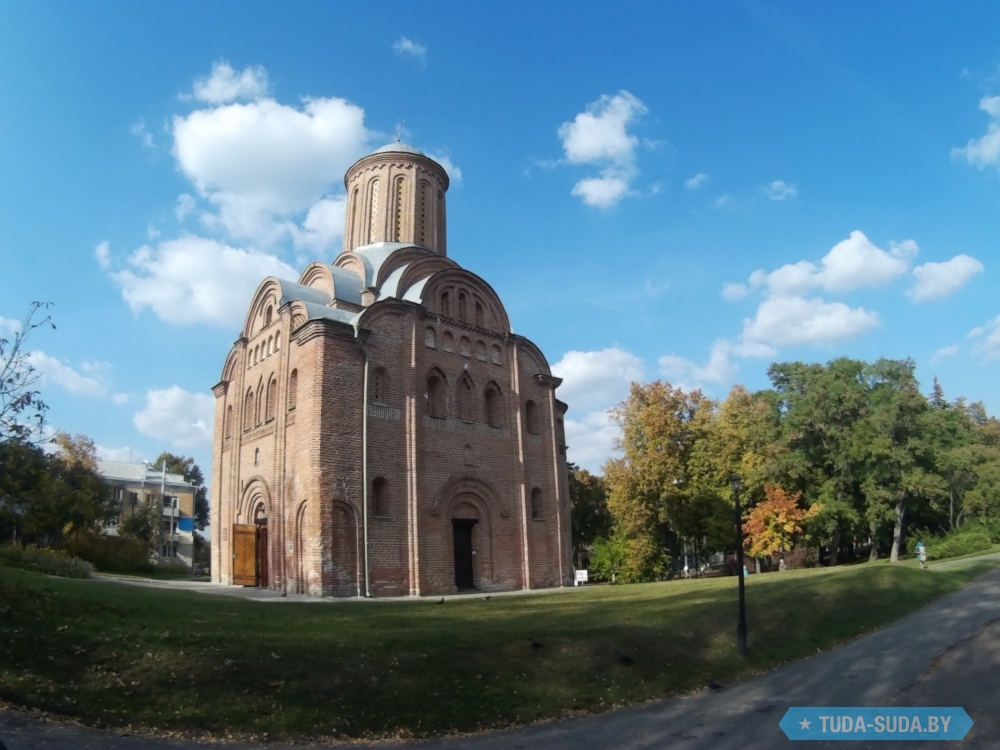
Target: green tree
{"x": 186, "y": 467}
{"x": 22, "y": 410}
{"x": 588, "y": 497}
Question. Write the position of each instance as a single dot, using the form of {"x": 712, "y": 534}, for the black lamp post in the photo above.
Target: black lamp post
{"x": 741, "y": 627}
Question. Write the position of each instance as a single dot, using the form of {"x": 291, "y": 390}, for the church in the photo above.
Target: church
{"x": 379, "y": 428}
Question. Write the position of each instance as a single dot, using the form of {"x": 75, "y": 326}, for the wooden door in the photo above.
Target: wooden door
{"x": 463, "y": 554}
{"x": 244, "y": 555}
{"x": 262, "y": 555}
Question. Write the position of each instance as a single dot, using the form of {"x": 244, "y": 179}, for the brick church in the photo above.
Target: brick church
{"x": 379, "y": 429}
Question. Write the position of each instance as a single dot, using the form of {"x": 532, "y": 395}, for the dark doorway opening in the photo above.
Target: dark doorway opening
{"x": 462, "y": 528}
{"x": 262, "y": 553}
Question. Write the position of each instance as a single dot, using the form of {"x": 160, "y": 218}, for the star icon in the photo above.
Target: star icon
{"x": 804, "y": 723}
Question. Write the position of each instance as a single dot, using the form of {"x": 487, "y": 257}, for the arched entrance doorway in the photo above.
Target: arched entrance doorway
{"x": 250, "y": 547}
{"x": 464, "y": 519}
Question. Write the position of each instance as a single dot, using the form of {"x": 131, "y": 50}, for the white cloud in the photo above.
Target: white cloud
{"x": 796, "y": 321}
{"x": 178, "y": 417}
{"x": 121, "y": 398}
{"x": 9, "y": 327}
{"x": 193, "y": 280}
{"x": 733, "y": 292}
{"x": 944, "y": 353}
{"x": 597, "y": 380}
{"x": 937, "y": 280}
{"x": 591, "y": 440}
{"x": 51, "y": 369}
{"x": 103, "y": 254}
{"x": 263, "y": 162}
{"x": 600, "y": 136}
{"x": 780, "y": 190}
{"x": 693, "y": 183}
{"x": 186, "y": 205}
{"x": 323, "y": 225}
{"x": 989, "y": 344}
{"x": 119, "y": 454}
{"x": 985, "y": 151}
{"x": 409, "y": 47}
{"x": 725, "y": 201}
{"x": 138, "y": 129}
{"x": 851, "y": 264}
{"x": 687, "y": 375}
{"x": 224, "y": 84}
{"x": 454, "y": 173}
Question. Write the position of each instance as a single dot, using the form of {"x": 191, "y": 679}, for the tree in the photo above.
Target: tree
{"x": 22, "y": 411}
{"x": 588, "y": 497}
{"x": 78, "y": 450}
{"x": 773, "y": 525}
{"x": 186, "y": 467}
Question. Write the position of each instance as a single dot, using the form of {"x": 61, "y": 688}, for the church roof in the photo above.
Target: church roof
{"x": 398, "y": 147}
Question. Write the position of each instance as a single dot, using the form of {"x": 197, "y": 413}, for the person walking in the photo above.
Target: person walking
{"x": 921, "y": 554}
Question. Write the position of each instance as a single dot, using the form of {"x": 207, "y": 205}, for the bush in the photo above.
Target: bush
{"x": 801, "y": 557}
{"x": 48, "y": 561}
{"x": 962, "y": 542}
{"x": 112, "y": 554}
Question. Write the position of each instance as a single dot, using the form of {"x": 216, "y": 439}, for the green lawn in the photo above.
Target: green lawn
{"x": 113, "y": 655}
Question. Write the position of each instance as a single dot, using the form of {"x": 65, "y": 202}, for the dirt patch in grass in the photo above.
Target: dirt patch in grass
{"x": 116, "y": 655}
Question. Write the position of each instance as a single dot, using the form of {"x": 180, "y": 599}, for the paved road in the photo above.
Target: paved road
{"x": 947, "y": 654}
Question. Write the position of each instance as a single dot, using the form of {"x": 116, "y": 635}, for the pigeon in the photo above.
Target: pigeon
{"x": 441, "y": 600}
{"x": 535, "y": 644}
{"x": 713, "y": 685}
{"x": 624, "y": 658}
{"x": 486, "y": 598}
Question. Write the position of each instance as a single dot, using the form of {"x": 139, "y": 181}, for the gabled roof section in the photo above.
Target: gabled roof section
{"x": 338, "y": 283}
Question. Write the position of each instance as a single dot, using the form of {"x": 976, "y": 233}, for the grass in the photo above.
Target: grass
{"x": 116, "y": 655}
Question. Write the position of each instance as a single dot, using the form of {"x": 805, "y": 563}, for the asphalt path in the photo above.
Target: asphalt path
{"x": 946, "y": 654}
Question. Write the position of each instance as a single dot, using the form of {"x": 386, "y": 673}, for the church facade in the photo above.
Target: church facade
{"x": 380, "y": 430}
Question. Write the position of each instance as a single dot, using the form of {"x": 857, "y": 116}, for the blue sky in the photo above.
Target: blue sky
{"x": 680, "y": 191}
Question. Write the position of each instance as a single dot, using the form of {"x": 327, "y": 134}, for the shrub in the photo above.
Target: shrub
{"x": 48, "y": 561}
{"x": 801, "y": 557}
{"x": 112, "y": 554}
{"x": 962, "y": 542}
{"x": 172, "y": 567}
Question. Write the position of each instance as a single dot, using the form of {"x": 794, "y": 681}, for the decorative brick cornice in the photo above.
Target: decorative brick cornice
{"x": 322, "y": 328}
{"x": 220, "y": 388}
{"x": 548, "y": 380}
{"x": 258, "y": 432}
{"x": 470, "y": 428}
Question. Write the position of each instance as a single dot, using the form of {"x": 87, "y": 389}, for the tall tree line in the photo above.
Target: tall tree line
{"x": 850, "y": 454}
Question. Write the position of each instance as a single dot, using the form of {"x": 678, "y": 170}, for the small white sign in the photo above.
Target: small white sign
{"x": 581, "y": 577}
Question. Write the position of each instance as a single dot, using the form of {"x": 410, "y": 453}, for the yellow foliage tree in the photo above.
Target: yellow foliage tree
{"x": 773, "y": 524}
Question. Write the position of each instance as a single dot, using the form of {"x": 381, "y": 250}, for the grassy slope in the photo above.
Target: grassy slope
{"x": 113, "y": 654}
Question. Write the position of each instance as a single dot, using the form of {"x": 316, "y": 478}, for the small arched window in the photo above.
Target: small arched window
{"x": 530, "y": 417}
{"x": 429, "y": 338}
{"x": 495, "y": 354}
{"x": 536, "y": 503}
{"x": 373, "y": 212}
{"x": 465, "y": 400}
{"x": 380, "y": 501}
{"x": 492, "y": 406}
{"x": 445, "y": 305}
{"x": 248, "y": 411}
{"x": 480, "y": 351}
{"x": 467, "y": 455}
{"x": 277, "y": 341}
{"x": 479, "y": 315}
{"x": 436, "y": 406}
{"x": 272, "y": 398}
{"x": 270, "y": 345}
{"x": 293, "y": 389}
{"x": 260, "y": 403}
{"x": 256, "y": 456}
{"x": 256, "y": 354}
{"x": 397, "y": 229}
{"x": 463, "y": 346}
{"x": 448, "y": 342}
{"x": 461, "y": 307}
{"x": 267, "y": 316}
{"x": 229, "y": 421}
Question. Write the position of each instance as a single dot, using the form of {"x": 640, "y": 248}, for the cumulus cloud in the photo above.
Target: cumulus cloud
{"x": 224, "y": 84}
{"x": 408, "y": 48}
{"x": 734, "y": 291}
{"x": 195, "y": 280}
{"x": 323, "y": 225}
{"x": 454, "y": 173}
{"x": 944, "y": 353}
{"x": 103, "y": 255}
{"x": 797, "y": 321}
{"x": 599, "y": 136}
{"x": 987, "y": 340}
{"x": 138, "y": 129}
{"x": 985, "y": 151}
{"x": 693, "y": 183}
{"x": 260, "y": 163}
{"x": 937, "y": 280}
{"x": 593, "y": 382}
{"x": 780, "y": 190}
{"x": 687, "y": 375}
{"x": 125, "y": 454}
{"x": 851, "y": 264}
{"x": 91, "y": 382}
{"x": 186, "y": 205}
{"x": 178, "y": 417}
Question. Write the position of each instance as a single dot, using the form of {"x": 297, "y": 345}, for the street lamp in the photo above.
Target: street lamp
{"x": 741, "y": 627}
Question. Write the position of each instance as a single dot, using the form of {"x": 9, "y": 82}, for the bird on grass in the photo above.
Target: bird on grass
{"x": 441, "y": 601}
{"x": 535, "y": 644}
{"x": 713, "y": 685}
{"x": 486, "y": 598}
{"x": 624, "y": 658}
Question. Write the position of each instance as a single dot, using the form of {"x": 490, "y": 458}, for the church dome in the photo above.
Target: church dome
{"x": 398, "y": 147}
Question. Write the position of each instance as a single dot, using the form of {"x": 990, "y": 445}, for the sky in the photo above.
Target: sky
{"x": 678, "y": 191}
